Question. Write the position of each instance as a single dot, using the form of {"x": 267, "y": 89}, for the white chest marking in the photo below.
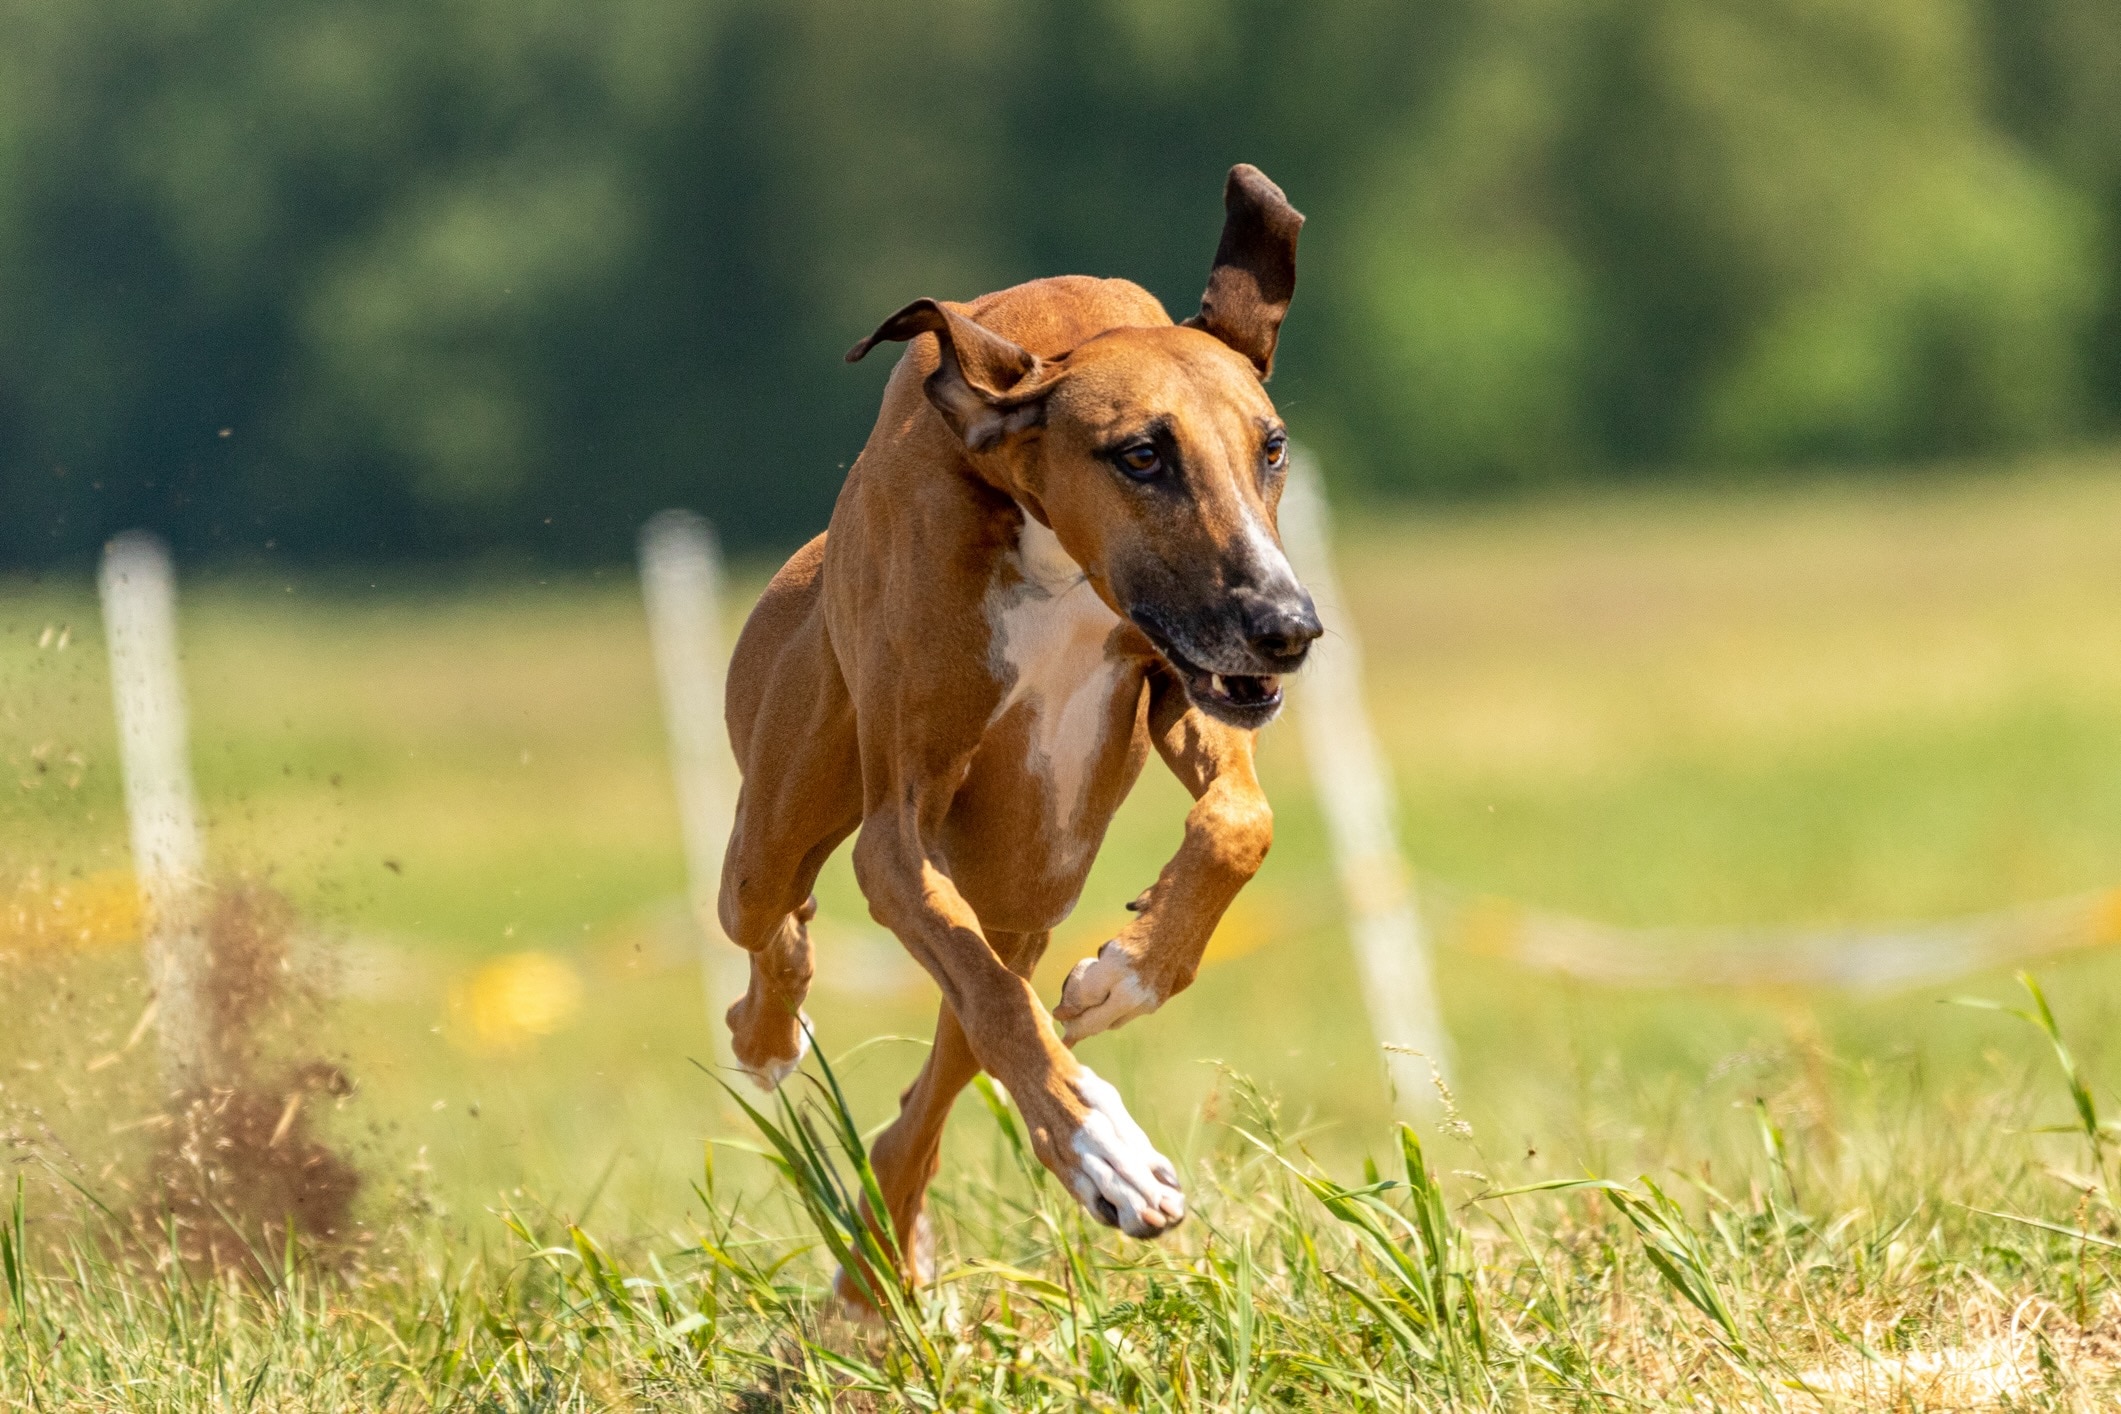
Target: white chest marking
{"x": 1050, "y": 632}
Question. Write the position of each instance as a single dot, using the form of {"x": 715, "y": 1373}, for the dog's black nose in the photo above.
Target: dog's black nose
{"x": 1280, "y": 629}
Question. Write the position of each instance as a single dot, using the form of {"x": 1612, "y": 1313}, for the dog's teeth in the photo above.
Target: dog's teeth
{"x": 1270, "y": 684}
{"x": 1215, "y": 681}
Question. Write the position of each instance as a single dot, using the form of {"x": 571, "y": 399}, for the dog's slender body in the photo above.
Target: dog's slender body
{"x": 1055, "y": 554}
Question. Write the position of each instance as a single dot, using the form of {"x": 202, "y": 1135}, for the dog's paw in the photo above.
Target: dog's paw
{"x": 1102, "y": 992}
{"x": 767, "y": 1071}
{"x": 920, "y": 1255}
{"x": 852, "y": 1304}
{"x": 855, "y": 1304}
{"x": 1118, "y": 1175}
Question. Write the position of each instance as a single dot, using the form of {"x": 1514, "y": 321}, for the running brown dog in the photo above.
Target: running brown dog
{"x": 1057, "y": 550}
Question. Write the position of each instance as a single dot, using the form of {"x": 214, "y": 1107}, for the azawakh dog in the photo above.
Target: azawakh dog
{"x": 1057, "y": 550}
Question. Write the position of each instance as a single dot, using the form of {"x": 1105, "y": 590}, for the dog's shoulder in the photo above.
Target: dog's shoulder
{"x": 1053, "y": 315}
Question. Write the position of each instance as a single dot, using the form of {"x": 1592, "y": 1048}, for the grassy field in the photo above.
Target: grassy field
{"x": 1847, "y": 704}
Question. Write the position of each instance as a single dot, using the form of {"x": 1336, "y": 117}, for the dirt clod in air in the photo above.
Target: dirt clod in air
{"x": 242, "y": 1157}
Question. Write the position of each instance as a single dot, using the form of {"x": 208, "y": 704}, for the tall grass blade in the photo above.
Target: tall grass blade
{"x": 2042, "y": 1019}
{"x": 1777, "y": 1150}
{"x": 1676, "y": 1251}
{"x": 2080, "y": 1094}
{"x": 867, "y": 1251}
{"x": 14, "y": 1255}
{"x": 2092, "y": 1239}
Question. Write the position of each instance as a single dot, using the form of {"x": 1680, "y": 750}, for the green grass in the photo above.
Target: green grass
{"x": 1828, "y": 704}
{"x": 1925, "y": 1259}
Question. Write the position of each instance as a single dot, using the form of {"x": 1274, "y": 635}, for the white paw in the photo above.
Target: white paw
{"x": 769, "y": 1073}
{"x": 1119, "y": 1177}
{"x": 920, "y": 1254}
{"x": 1102, "y": 992}
{"x": 851, "y": 1304}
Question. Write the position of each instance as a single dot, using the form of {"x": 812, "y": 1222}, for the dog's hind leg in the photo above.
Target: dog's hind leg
{"x": 908, "y": 1153}
{"x": 792, "y": 724}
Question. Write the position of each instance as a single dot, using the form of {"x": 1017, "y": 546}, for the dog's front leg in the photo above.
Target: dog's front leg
{"x": 1077, "y": 1124}
{"x": 1227, "y": 834}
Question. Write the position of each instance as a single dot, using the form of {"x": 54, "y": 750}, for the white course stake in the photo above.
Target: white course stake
{"x": 681, "y": 582}
{"x": 1355, "y": 790}
{"x": 139, "y": 596}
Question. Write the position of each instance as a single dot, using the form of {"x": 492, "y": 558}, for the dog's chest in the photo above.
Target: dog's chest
{"x": 1051, "y": 633}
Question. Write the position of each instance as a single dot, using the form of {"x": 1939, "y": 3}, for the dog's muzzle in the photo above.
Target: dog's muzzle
{"x": 1241, "y": 684}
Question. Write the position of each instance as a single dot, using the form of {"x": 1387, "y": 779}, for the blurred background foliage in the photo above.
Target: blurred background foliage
{"x": 434, "y": 278}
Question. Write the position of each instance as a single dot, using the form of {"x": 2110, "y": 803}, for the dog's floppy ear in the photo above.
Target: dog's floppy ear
{"x": 986, "y": 387}
{"x": 1255, "y": 267}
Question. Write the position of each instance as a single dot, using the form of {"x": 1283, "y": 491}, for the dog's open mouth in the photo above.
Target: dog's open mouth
{"x": 1245, "y": 699}
{"x": 1236, "y": 690}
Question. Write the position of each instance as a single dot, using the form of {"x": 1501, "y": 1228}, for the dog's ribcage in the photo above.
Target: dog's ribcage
{"x": 1050, "y": 636}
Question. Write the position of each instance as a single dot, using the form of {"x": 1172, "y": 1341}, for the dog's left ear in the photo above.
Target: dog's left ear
{"x": 1255, "y": 267}
{"x": 985, "y": 386}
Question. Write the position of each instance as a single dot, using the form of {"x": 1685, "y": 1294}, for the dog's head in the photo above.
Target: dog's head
{"x": 1156, "y": 457}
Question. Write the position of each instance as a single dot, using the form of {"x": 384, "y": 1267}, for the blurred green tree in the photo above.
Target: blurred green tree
{"x": 436, "y": 278}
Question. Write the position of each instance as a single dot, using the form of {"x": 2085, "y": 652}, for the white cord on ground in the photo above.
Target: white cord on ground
{"x": 1881, "y": 957}
{"x": 1353, "y": 783}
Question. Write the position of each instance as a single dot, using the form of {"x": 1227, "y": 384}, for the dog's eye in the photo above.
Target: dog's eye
{"x": 1277, "y": 451}
{"x": 1140, "y": 461}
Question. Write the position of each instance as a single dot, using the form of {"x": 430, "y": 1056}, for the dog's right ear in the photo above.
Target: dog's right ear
{"x": 986, "y": 387}
{"x": 1255, "y": 267}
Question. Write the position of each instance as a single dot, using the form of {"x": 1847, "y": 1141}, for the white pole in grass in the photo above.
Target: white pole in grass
{"x": 681, "y": 582}
{"x": 138, "y": 590}
{"x": 1354, "y": 787}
